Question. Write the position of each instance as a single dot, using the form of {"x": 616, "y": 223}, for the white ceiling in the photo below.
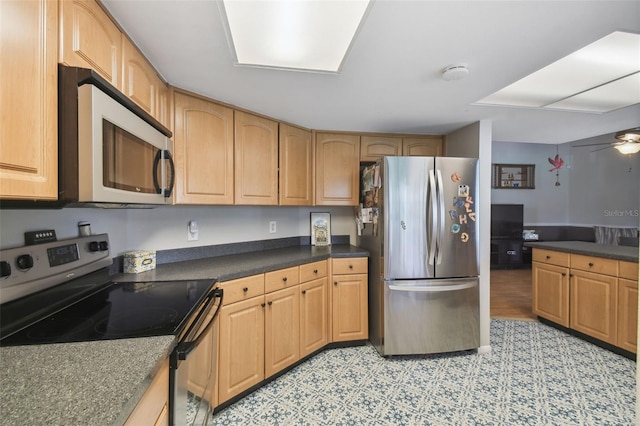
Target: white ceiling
{"x": 390, "y": 82}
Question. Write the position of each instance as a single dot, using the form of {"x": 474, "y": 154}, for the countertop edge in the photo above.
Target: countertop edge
{"x": 625, "y": 253}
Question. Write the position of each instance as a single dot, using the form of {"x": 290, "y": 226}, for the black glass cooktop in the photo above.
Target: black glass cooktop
{"x": 116, "y": 311}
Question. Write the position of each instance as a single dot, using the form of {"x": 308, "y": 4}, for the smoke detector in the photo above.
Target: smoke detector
{"x": 455, "y": 72}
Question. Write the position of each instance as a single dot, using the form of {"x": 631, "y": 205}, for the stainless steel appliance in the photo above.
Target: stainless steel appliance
{"x": 111, "y": 153}
{"x": 420, "y": 225}
{"x": 61, "y": 291}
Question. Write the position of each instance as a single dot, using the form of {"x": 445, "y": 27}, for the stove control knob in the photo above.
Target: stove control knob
{"x": 98, "y": 246}
{"x": 24, "y": 262}
{"x": 5, "y": 269}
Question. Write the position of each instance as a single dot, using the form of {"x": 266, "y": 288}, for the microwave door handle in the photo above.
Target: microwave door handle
{"x": 163, "y": 155}
{"x": 169, "y": 189}
{"x": 188, "y": 344}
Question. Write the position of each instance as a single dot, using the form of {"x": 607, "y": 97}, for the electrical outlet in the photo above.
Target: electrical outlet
{"x": 192, "y": 231}
{"x": 272, "y": 227}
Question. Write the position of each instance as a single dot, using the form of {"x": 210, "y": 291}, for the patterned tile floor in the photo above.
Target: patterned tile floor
{"x": 535, "y": 375}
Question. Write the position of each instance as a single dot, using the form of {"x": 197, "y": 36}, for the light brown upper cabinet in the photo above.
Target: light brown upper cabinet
{"x": 427, "y": 146}
{"x": 203, "y": 151}
{"x": 28, "y": 100}
{"x": 89, "y": 39}
{"x": 141, "y": 83}
{"x": 374, "y": 147}
{"x": 296, "y": 166}
{"x": 337, "y": 169}
{"x": 256, "y": 160}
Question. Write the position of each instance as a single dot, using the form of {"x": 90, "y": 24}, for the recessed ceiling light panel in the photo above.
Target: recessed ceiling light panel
{"x": 578, "y": 81}
{"x": 310, "y": 35}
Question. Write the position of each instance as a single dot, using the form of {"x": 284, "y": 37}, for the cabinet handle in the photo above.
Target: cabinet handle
{"x": 564, "y": 274}
{"x": 315, "y": 271}
{"x": 570, "y": 275}
{"x": 270, "y": 302}
{"x": 246, "y": 289}
{"x": 350, "y": 266}
{"x": 335, "y": 283}
{"x": 304, "y": 291}
{"x": 590, "y": 264}
{"x": 284, "y": 279}
{"x": 262, "y": 305}
{"x": 548, "y": 257}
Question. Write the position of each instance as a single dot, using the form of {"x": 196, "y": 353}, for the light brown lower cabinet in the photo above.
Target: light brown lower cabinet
{"x": 350, "y": 313}
{"x": 153, "y": 408}
{"x": 314, "y": 312}
{"x": 595, "y": 296}
{"x": 281, "y": 330}
{"x": 594, "y": 301}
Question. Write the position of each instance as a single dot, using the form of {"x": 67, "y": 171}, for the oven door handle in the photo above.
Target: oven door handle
{"x": 188, "y": 344}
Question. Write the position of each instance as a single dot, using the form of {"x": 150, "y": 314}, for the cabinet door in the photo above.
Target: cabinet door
{"x": 89, "y": 39}
{"x": 594, "y": 301}
{"x": 153, "y": 407}
{"x": 551, "y": 292}
{"x": 628, "y": 314}
{"x": 140, "y": 81}
{"x": 430, "y": 146}
{"x": 313, "y": 316}
{"x": 350, "y": 307}
{"x": 282, "y": 330}
{"x": 241, "y": 363}
{"x": 256, "y": 160}
{"x": 28, "y": 100}
{"x": 203, "y": 148}
{"x": 337, "y": 169}
{"x": 296, "y": 167}
{"x": 374, "y": 147}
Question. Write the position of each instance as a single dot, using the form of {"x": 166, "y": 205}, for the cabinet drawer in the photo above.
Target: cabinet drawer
{"x": 312, "y": 271}
{"x": 282, "y": 278}
{"x": 549, "y": 256}
{"x": 598, "y": 265}
{"x": 352, "y": 265}
{"x": 242, "y": 289}
{"x": 628, "y": 270}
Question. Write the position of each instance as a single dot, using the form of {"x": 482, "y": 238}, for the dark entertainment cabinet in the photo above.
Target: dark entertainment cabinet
{"x": 507, "y": 250}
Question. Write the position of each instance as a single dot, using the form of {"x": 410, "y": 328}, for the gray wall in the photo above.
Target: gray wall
{"x": 166, "y": 227}
{"x": 596, "y": 188}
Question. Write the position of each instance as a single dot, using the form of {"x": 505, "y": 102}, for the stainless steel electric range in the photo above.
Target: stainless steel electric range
{"x": 62, "y": 291}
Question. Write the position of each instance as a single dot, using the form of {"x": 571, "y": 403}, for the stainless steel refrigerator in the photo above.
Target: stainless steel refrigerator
{"x": 418, "y": 220}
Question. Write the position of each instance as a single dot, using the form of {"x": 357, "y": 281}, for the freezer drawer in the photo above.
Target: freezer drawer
{"x": 431, "y": 316}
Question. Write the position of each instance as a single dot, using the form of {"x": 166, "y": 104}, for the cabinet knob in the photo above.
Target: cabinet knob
{"x": 335, "y": 283}
{"x": 270, "y": 302}
{"x": 262, "y": 305}
{"x": 246, "y": 289}
{"x": 570, "y": 275}
{"x": 548, "y": 257}
{"x": 564, "y": 274}
{"x": 590, "y": 264}
{"x": 284, "y": 279}
{"x": 350, "y": 266}
{"x": 304, "y": 291}
{"x": 315, "y": 271}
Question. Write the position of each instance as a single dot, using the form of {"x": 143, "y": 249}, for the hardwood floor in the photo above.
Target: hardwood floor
{"x": 510, "y": 294}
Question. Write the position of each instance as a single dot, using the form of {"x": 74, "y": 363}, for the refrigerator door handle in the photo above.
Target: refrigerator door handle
{"x": 441, "y": 217}
{"x": 433, "y": 289}
{"x": 434, "y": 216}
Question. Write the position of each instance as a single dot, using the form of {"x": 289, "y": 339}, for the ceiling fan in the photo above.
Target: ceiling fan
{"x": 628, "y": 142}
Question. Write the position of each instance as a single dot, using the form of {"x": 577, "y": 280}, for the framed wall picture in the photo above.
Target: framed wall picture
{"x": 320, "y": 229}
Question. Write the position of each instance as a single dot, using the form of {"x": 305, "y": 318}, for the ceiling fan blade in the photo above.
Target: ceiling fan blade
{"x": 596, "y": 144}
{"x": 606, "y": 147}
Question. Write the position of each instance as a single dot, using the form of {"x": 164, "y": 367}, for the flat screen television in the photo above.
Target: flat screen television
{"x": 506, "y": 221}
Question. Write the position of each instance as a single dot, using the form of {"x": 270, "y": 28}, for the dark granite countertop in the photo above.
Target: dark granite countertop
{"x": 629, "y": 254}
{"x": 224, "y": 268}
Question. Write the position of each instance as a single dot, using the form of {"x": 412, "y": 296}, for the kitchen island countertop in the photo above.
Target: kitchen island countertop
{"x": 629, "y": 254}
